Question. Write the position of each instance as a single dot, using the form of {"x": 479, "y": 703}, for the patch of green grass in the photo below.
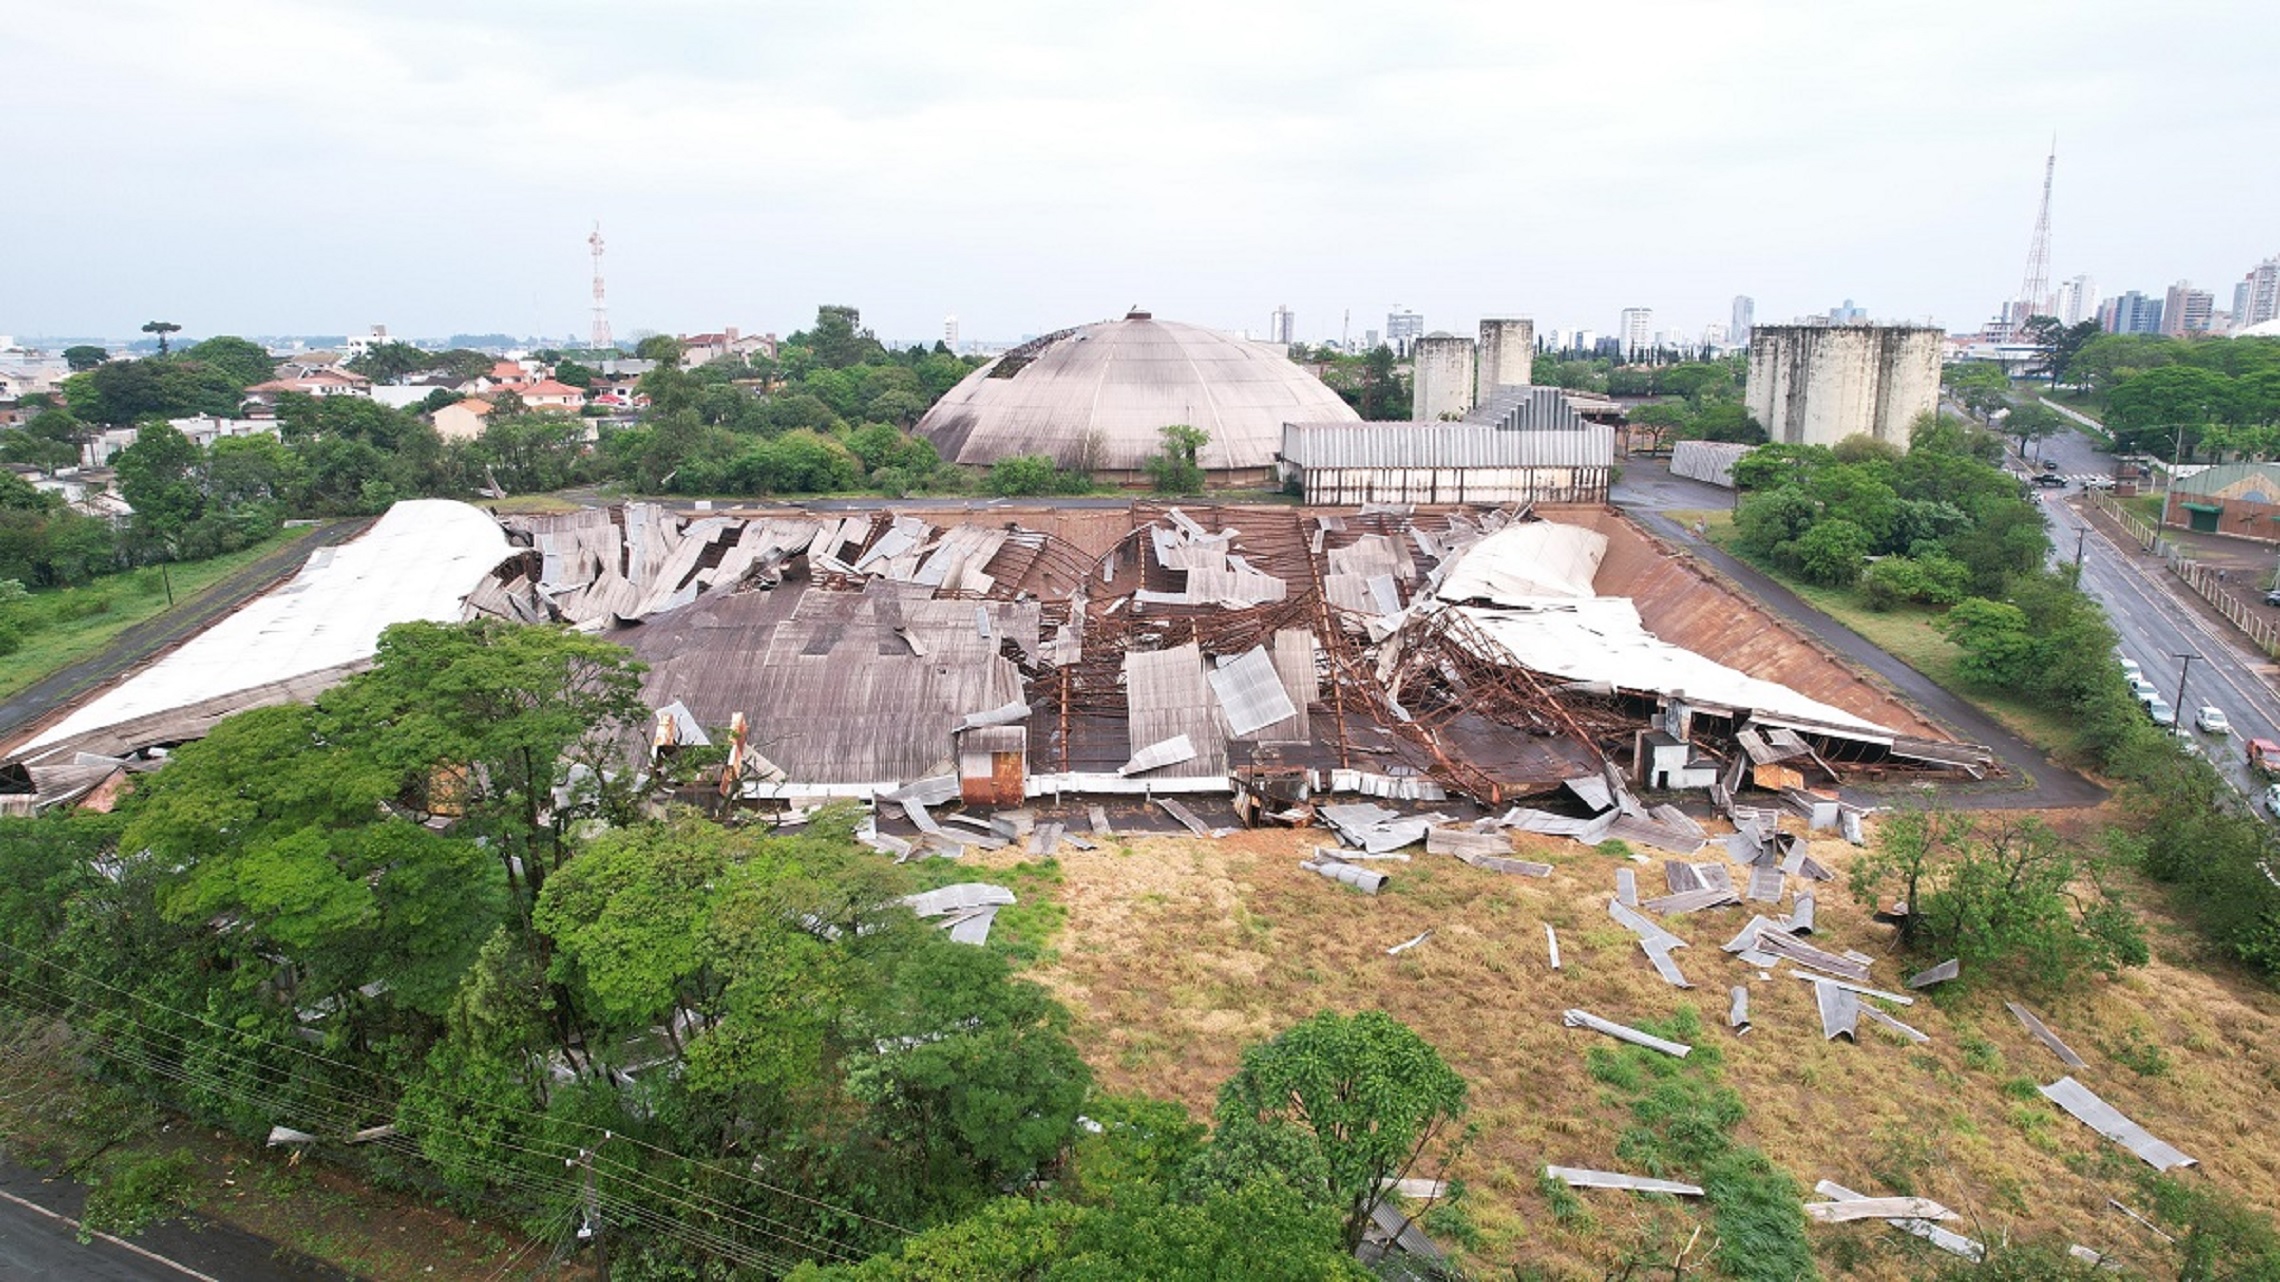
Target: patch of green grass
{"x": 1682, "y": 1126}
{"x": 60, "y": 626}
{"x": 1981, "y": 1054}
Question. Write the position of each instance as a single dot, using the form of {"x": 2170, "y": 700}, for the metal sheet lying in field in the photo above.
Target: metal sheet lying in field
{"x": 2108, "y": 1121}
{"x": 1945, "y": 1239}
{"x": 1896, "y": 1026}
{"x": 1876, "y": 1208}
{"x": 1627, "y": 887}
{"x": 1804, "y": 954}
{"x": 1738, "y": 1013}
{"x": 1840, "y": 1011}
{"x": 1623, "y": 1032}
{"x": 1643, "y": 928}
{"x": 2028, "y": 1020}
{"x": 1585, "y": 1178}
{"x": 1690, "y": 901}
{"x": 1939, "y": 974}
{"x": 1765, "y": 885}
{"x": 1664, "y": 966}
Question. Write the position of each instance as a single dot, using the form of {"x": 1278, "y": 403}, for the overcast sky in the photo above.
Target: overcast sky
{"x": 278, "y": 166}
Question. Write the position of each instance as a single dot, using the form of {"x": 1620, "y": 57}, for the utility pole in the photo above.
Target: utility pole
{"x": 2181, "y": 674}
{"x": 2080, "y": 536}
{"x": 590, "y": 1229}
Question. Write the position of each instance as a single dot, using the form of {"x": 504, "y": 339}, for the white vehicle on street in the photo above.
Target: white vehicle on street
{"x": 2211, "y": 720}
{"x": 2272, "y": 800}
{"x": 2131, "y": 669}
{"x": 2143, "y": 689}
{"x": 2158, "y": 708}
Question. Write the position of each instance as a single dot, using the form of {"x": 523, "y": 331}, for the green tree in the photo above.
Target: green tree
{"x": 2006, "y": 896}
{"x": 159, "y": 476}
{"x": 661, "y": 348}
{"x": 392, "y": 362}
{"x": 244, "y": 362}
{"x": 83, "y": 357}
{"x": 1338, "y": 1106}
{"x": 1832, "y": 552}
{"x": 516, "y": 728}
{"x": 162, "y": 329}
{"x": 1999, "y": 651}
{"x": 1174, "y": 468}
{"x": 2030, "y": 422}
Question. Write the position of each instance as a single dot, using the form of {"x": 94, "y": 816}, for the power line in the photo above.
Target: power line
{"x": 389, "y": 1108}
{"x": 358, "y": 1106}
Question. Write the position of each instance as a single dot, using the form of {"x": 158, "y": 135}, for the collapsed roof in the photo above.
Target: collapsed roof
{"x": 419, "y": 561}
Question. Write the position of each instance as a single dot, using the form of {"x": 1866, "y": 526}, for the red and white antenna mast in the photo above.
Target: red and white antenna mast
{"x": 2034, "y": 291}
{"x": 601, "y": 338}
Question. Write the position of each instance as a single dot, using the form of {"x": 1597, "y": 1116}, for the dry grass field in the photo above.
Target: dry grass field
{"x": 1175, "y": 953}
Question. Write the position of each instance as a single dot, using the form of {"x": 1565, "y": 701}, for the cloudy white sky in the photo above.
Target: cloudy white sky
{"x": 273, "y": 166}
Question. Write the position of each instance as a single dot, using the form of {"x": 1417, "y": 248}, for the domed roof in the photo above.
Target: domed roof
{"x": 1107, "y": 390}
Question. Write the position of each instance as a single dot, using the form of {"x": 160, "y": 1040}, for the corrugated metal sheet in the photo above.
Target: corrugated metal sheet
{"x": 2108, "y": 1121}
{"x": 1170, "y": 696}
{"x": 1711, "y": 461}
{"x": 1443, "y": 445}
{"x": 1251, "y": 695}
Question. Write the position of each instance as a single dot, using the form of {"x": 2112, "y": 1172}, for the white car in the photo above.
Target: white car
{"x": 2131, "y": 669}
{"x": 2211, "y": 720}
{"x": 2272, "y": 800}
{"x": 2158, "y": 708}
{"x": 2143, "y": 688}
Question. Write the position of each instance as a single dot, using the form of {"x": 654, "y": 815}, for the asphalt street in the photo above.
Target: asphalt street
{"x": 39, "y": 1243}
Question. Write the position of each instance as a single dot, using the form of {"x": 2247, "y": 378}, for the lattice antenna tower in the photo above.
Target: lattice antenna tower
{"x": 601, "y": 340}
{"x": 2034, "y": 291}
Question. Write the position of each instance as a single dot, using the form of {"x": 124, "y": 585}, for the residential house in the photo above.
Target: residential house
{"x": 550, "y": 397}
{"x": 316, "y": 381}
{"x": 703, "y": 349}
{"x": 462, "y": 420}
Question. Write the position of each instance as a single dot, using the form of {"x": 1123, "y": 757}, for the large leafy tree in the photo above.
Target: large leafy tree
{"x": 516, "y": 728}
{"x": 84, "y": 357}
{"x": 1339, "y": 1106}
{"x": 244, "y": 361}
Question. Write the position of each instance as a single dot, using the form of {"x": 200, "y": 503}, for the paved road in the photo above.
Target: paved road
{"x": 2149, "y": 611}
{"x": 1648, "y": 491}
{"x": 138, "y": 643}
{"x": 38, "y": 1246}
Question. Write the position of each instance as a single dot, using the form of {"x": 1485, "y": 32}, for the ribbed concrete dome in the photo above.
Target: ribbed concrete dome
{"x": 1116, "y": 384}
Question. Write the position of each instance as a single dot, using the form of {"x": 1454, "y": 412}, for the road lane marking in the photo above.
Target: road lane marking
{"x": 76, "y": 1227}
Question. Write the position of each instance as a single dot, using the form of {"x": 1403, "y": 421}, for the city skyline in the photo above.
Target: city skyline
{"x": 258, "y": 167}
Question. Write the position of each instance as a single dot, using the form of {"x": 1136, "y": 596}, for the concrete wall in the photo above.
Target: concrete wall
{"x": 1443, "y": 370}
{"x": 1818, "y": 384}
{"x": 1507, "y": 357}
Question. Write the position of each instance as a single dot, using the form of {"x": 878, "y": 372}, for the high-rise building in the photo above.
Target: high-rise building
{"x": 2186, "y": 310}
{"x": 1280, "y": 325}
{"x": 2077, "y": 300}
{"x": 1713, "y": 336}
{"x": 1402, "y": 330}
{"x": 1369, "y": 340}
{"x": 1847, "y": 314}
{"x": 1745, "y": 314}
{"x": 1638, "y": 330}
{"x": 2257, "y": 298}
{"x": 2130, "y": 313}
{"x": 950, "y": 332}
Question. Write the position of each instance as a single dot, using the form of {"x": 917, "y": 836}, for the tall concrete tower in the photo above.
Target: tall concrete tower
{"x": 600, "y": 340}
{"x": 1818, "y": 384}
{"x": 1507, "y": 357}
{"x": 950, "y": 332}
{"x": 1281, "y": 324}
{"x": 1443, "y": 365}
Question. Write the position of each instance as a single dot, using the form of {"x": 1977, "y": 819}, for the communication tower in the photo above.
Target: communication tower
{"x": 2034, "y": 291}
{"x": 601, "y": 338}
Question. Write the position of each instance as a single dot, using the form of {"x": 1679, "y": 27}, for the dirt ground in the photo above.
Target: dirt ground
{"x": 1176, "y": 952}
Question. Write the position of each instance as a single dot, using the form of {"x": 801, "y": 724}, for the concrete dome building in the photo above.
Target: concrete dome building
{"x": 1098, "y": 397}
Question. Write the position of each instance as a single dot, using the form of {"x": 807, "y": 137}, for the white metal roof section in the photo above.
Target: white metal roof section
{"x": 1443, "y": 445}
{"x": 417, "y": 562}
{"x": 1601, "y": 641}
{"x": 1523, "y": 563}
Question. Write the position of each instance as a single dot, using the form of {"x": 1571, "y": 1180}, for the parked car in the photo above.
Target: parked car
{"x": 2272, "y": 800}
{"x": 2158, "y": 708}
{"x": 2211, "y": 719}
{"x": 2097, "y": 482}
{"x": 2131, "y": 669}
{"x": 2264, "y": 756}
{"x": 2142, "y": 688}
{"x": 2272, "y": 597}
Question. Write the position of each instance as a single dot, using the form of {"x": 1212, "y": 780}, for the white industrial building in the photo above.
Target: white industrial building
{"x": 1818, "y": 384}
